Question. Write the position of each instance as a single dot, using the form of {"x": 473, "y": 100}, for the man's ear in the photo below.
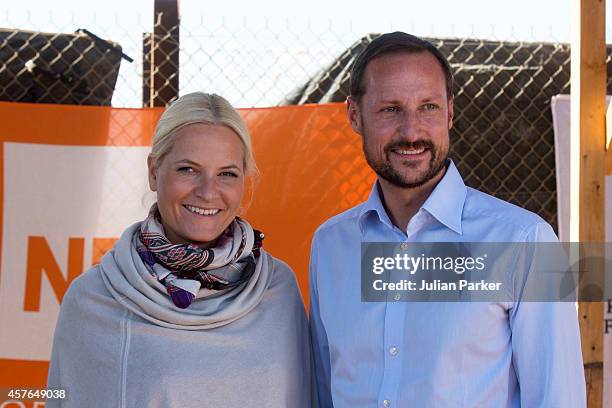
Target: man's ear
{"x": 451, "y": 111}
{"x": 354, "y": 115}
{"x": 152, "y": 174}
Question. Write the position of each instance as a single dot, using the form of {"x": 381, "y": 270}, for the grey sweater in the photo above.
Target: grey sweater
{"x": 121, "y": 342}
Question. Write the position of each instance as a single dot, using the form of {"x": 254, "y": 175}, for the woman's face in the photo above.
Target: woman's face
{"x": 199, "y": 183}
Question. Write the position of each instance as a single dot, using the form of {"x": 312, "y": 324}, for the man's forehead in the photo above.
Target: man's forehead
{"x": 403, "y": 60}
{"x": 392, "y": 73}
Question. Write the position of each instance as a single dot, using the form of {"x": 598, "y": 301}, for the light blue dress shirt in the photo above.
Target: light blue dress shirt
{"x": 444, "y": 354}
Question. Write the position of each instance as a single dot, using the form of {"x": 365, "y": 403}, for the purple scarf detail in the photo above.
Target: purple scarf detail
{"x": 185, "y": 268}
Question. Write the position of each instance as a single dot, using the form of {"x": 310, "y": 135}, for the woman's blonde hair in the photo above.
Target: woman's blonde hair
{"x": 199, "y": 107}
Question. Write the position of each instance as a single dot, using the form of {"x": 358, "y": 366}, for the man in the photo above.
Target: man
{"x": 427, "y": 354}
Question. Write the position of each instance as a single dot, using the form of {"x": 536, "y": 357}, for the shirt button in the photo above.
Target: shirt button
{"x": 393, "y": 350}
{"x": 404, "y": 245}
{"x": 387, "y": 403}
{"x": 397, "y": 297}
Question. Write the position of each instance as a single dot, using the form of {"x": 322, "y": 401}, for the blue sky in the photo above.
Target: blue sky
{"x": 124, "y": 21}
{"x": 527, "y": 17}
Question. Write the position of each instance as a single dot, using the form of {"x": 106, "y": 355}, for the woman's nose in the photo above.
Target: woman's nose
{"x": 206, "y": 188}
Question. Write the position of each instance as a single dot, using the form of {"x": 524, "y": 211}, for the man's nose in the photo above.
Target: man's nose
{"x": 409, "y": 125}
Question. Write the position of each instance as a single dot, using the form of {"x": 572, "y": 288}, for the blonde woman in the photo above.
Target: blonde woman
{"x": 188, "y": 309}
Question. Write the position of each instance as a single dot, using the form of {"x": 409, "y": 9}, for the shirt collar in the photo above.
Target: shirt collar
{"x": 374, "y": 205}
{"x": 445, "y": 203}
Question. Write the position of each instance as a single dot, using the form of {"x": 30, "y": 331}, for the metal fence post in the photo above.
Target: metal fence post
{"x": 147, "y": 79}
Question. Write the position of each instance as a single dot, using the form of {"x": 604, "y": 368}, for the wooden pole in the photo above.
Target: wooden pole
{"x": 165, "y": 53}
{"x": 609, "y": 140}
{"x": 587, "y": 169}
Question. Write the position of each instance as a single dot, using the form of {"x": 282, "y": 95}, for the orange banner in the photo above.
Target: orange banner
{"x": 72, "y": 178}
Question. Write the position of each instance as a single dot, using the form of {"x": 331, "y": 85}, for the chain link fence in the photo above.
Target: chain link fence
{"x": 77, "y": 69}
{"x": 502, "y": 140}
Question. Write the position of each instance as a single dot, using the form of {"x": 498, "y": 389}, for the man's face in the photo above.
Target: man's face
{"x": 404, "y": 118}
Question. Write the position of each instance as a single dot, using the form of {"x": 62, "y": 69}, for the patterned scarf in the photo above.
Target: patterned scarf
{"x": 185, "y": 268}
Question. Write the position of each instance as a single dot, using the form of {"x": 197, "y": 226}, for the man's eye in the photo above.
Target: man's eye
{"x": 390, "y": 109}
{"x": 185, "y": 169}
{"x": 430, "y": 107}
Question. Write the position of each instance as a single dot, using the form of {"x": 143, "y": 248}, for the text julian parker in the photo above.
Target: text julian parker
{"x": 436, "y": 285}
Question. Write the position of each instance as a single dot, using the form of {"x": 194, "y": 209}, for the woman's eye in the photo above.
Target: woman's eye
{"x": 185, "y": 169}
{"x": 229, "y": 174}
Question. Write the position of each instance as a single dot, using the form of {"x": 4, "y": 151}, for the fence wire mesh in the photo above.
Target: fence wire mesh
{"x": 502, "y": 140}
{"x": 78, "y": 69}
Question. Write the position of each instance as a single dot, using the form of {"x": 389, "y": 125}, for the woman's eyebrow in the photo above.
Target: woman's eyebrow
{"x": 231, "y": 166}
{"x": 192, "y": 163}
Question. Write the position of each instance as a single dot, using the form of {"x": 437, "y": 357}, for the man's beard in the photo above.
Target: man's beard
{"x": 385, "y": 170}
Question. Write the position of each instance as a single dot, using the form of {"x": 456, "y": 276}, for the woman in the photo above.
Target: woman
{"x": 187, "y": 310}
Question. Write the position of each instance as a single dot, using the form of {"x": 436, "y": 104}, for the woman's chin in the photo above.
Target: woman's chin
{"x": 203, "y": 240}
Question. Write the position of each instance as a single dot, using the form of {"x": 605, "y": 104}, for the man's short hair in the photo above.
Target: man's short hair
{"x": 396, "y": 42}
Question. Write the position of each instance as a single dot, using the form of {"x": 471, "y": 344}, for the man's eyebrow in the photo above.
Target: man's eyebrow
{"x": 434, "y": 97}
{"x": 428, "y": 98}
{"x": 390, "y": 101}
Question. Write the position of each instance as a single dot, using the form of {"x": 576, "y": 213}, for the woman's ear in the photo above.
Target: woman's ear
{"x": 152, "y": 174}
